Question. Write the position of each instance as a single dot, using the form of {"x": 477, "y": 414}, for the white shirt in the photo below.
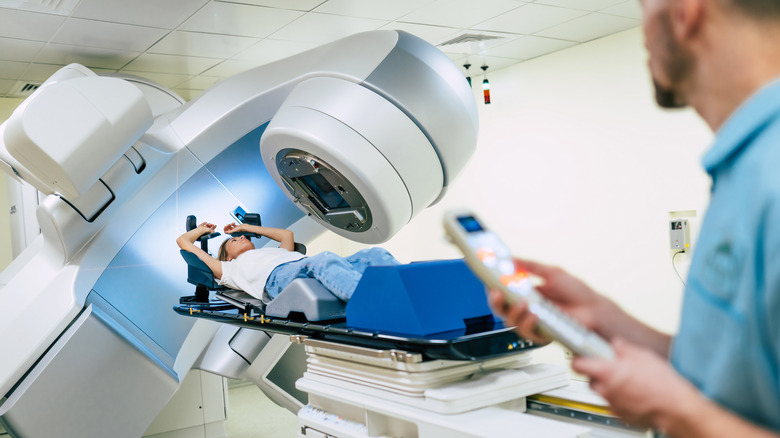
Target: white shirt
{"x": 250, "y": 271}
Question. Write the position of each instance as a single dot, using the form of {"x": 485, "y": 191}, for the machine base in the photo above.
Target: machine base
{"x": 338, "y": 412}
{"x": 361, "y": 392}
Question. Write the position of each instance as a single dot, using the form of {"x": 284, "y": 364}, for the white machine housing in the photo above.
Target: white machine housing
{"x": 388, "y": 188}
{"x": 86, "y": 309}
{"x": 106, "y": 117}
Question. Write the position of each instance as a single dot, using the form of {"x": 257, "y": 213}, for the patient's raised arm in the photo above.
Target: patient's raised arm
{"x": 190, "y": 237}
{"x": 187, "y": 242}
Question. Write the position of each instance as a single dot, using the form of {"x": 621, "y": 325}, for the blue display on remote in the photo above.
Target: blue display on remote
{"x": 470, "y": 224}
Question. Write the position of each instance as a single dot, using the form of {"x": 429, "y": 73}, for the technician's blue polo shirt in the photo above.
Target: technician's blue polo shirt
{"x": 729, "y": 339}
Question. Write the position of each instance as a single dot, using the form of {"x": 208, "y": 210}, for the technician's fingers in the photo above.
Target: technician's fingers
{"x": 587, "y": 366}
{"x": 539, "y": 269}
{"x": 517, "y": 314}
{"x": 498, "y": 302}
{"x": 598, "y": 387}
{"x": 600, "y": 369}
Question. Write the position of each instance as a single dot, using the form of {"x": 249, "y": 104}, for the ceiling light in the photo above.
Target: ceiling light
{"x": 486, "y": 86}
{"x": 468, "y": 75}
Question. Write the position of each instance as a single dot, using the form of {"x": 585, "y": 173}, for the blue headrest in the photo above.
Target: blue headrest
{"x": 198, "y": 273}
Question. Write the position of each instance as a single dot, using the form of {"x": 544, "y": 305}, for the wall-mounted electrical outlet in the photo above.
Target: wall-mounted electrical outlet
{"x": 682, "y": 230}
{"x": 679, "y": 234}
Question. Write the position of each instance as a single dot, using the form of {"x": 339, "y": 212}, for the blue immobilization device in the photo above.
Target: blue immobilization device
{"x": 419, "y": 299}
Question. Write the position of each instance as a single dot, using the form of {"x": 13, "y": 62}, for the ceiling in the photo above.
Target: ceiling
{"x": 188, "y": 45}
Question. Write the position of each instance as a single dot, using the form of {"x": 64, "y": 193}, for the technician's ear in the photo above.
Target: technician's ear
{"x": 687, "y": 17}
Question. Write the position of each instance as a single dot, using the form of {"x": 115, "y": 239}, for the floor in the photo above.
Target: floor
{"x": 252, "y": 415}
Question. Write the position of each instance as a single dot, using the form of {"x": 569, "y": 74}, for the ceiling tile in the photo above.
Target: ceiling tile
{"x": 28, "y": 25}
{"x": 90, "y": 33}
{"x": 88, "y": 56}
{"x": 378, "y": 9}
{"x": 296, "y": 5}
{"x": 12, "y": 69}
{"x": 455, "y": 57}
{"x": 496, "y": 63}
{"x": 590, "y": 27}
{"x": 197, "y": 42}
{"x": 269, "y": 50}
{"x": 432, "y": 34}
{"x": 164, "y": 79}
{"x": 6, "y": 85}
{"x": 40, "y": 72}
{"x": 18, "y": 50}
{"x": 630, "y": 9}
{"x": 207, "y": 45}
{"x": 237, "y": 19}
{"x": 324, "y": 28}
{"x": 186, "y": 65}
{"x": 168, "y": 15}
{"x": 529, "y": 19}
{"x": 459, "y": 13}
{"x": 586, "y": 5}
{"x": 230, "y": 67}
{"x": 528, "y": 47}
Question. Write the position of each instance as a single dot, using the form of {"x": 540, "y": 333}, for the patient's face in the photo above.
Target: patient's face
{"x": 236, "y": 246}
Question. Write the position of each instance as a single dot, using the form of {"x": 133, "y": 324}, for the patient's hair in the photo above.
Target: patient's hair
{"x": 222, "y": 254}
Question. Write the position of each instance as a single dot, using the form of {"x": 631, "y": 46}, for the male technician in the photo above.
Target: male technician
{"x": 722, "y": 57}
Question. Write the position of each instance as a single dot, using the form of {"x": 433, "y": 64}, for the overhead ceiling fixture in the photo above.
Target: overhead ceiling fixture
{"x": 468, "y": 38}
{"x": 58, "y": 7}
{"x": 468, "y": 75}
{"x": 23, "y": 89}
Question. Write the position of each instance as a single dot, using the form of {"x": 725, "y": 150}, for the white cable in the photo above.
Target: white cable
{"x": 674, "y": 266}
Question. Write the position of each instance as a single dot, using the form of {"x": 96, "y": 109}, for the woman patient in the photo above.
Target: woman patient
{"x": 239, "y": 265}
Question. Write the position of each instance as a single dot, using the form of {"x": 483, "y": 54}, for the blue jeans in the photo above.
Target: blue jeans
{"x": 339, "y": 274}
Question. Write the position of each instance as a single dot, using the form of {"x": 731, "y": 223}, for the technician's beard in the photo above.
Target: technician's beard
{"x": 667, "y": 97}
{"x": 678, "y": 68}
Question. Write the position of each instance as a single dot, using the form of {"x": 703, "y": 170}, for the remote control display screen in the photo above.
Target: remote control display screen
{"x": 470, "y": 224}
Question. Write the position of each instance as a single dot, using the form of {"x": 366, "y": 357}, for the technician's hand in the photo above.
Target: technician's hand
{"x": 566, "y": 291}
{"x": 640, "y": 386}
{"x": 518, "y": 315}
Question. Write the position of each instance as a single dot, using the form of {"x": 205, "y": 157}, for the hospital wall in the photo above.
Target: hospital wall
{"x": 577, "y": 167}
{"x": 7, "y": 107}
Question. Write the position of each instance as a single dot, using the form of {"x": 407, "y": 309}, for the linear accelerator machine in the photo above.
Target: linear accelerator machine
{"x": 356, "y": 137}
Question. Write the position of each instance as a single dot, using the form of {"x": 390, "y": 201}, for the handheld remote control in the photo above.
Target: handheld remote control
{"x": 491, "y": 260}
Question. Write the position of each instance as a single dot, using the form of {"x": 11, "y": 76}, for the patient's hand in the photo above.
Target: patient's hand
{"x": 186, "y": 240}
{"x": 206, "y": 228}
{"x": 233, "y": 228}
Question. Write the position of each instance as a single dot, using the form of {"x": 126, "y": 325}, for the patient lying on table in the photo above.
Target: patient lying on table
{"x": 239, "y": 265}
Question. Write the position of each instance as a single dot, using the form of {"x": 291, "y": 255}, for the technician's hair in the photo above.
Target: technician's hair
{"x": 756, "y": 9}
{"x": 222, "y": 254}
